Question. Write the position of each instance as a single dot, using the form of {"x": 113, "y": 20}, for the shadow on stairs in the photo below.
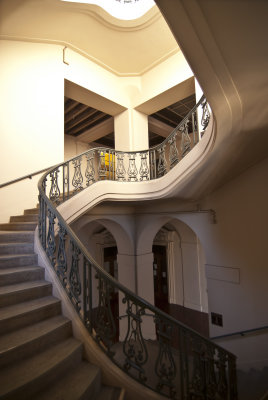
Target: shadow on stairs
{"x": 39, "y": 357}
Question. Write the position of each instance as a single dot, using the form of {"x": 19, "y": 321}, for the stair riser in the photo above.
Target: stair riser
{"x": 25, "y": 295}
{"x": 24, "y": 248}
{"x": 18, "y": 227}
{"x": 16, "y": 261}
{"x": 31, "y": 211}
{"x": 93, "y": 389}
{"x": 31, "y": 317}
{"x": 23, "y": 276}
{"x": 24, "y": 218}
{"x": 29, "y": 390}
{"x": 13, "y": 237}
{"x": 37, "y": 345}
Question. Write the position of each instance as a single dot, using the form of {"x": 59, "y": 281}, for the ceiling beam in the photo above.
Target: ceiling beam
{"x": 159, "y": 127}
{"x": 97, "y": 132}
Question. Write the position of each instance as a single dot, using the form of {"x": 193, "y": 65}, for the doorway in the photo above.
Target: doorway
{"x": 110, "y": 266}
{"x": 160, "y": 277}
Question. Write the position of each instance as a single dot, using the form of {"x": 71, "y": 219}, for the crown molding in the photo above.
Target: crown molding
{"x": 88, "y": 56}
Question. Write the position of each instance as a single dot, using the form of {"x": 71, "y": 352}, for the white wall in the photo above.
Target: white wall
{"x": 236, "y": 253}
{"x": 32, "y": 103}
{"x": 31, "y": 123}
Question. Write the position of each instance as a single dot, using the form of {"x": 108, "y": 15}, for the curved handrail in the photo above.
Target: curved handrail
{"x": 93, "y": 291}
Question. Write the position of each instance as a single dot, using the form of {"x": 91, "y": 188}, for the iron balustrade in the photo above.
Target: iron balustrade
{"x": 148, "y": 344}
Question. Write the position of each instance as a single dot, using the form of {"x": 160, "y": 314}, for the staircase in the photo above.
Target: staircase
{"x": 39, "y": 357}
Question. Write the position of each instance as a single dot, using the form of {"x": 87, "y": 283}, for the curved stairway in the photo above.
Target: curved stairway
{"x": 39, "y": 357}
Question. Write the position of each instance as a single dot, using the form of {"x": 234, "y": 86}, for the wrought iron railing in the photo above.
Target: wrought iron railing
{"x": 149, "y": 345}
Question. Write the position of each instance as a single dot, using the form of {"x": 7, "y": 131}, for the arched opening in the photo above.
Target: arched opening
{"x": 179, "y": 275}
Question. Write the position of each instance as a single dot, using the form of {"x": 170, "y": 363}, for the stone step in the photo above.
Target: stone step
{"x": 10, "y": 276}
{"x": 18, "y": 226}
{"x": 17, "y": 260}
{"x": 29, "y": 312}
{"x": 22, "y": 237}
{"x": 24, "y": 218}
{"x": 109, "y": 393}
{"x": 81, "y": 383}
{"x": 16, "y": 248}
{"x": 31, "y": 211}
{"x": 32, "y": 339}
{"x": 25, "y": 379}
{"x": 20, "y": 292}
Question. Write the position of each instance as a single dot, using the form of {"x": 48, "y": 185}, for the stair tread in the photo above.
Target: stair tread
{"x": 27, "y": 306}
{"x": 16, "y": 376}
{"x": 73, "y": 385}
{"x": 3, "y": 244}
{"x": 23, "y": 286}
{"x": 108, "y": 393}
{"x": 11, "y": 256}
{"x": 23, "y": 268}
{"x": 24, "y": 335}
{"x": 17, "y": 233}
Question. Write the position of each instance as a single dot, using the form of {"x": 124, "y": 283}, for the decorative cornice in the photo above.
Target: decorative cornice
{"x": 88, "y": 56}
{"x": 111, "y": 22}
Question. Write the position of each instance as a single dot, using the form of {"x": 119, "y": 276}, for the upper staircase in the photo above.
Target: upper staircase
{"x": 40, "y": 359}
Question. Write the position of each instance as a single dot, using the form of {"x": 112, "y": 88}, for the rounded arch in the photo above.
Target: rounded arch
{"x": 120, "y": 231}
{"x": 185, "y": 258}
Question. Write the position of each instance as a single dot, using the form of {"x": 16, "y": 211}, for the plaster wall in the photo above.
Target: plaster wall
{"x": 31, "y": 124}
{"x": 236, "y": 250}
{"x": 73, "y": 147}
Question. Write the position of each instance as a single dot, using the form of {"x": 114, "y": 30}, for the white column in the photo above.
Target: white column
{"x": 131, "y": 131}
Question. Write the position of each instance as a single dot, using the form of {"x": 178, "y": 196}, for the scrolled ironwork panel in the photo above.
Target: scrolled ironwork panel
{"x": 165, "y": 367}
{"x": 74, "y": 277}
{"x": 102, "y": 169}
{"x": 132, "y": 169}
{"x": 162, "y": 162}
{"x": 144, "y": 169}
{"x": 185, "y": 139}
{"x": 65, "y": 181}
{"x": 105, "y": 325}
{"x": 222, "y": 384}
{"x": 61, "y": 264}
{"x": 120, "y": 172}
{"x": 90, "y": 171}
{"x": 54, "y": 192}
{"x": 51, "y": 242}
{"x": 77, "y": 181}
{"x": 205, "y": 114}
{"x": 134, "y": 347}
{"x": 173, "y": 151}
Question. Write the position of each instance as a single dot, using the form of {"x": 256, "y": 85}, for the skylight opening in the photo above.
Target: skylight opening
{"x": 121, "y": 9}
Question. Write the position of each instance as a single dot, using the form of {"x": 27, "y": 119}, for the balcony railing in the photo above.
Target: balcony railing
{"x": 173, "y": 359}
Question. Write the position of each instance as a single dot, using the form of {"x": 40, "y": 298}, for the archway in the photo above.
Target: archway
{"x": 179, "y": 287}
